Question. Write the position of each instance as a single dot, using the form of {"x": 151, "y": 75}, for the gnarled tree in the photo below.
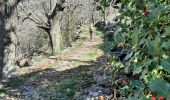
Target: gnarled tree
{"x": 44, "y": 15}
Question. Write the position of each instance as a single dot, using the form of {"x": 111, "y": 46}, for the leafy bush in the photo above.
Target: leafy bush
{"x": 146, "y": 33}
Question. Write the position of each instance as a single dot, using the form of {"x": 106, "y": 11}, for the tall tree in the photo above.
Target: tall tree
{"x": 8, "y": 36}
{"x": 45, "y": 20}
{"x": 2, "y": 33}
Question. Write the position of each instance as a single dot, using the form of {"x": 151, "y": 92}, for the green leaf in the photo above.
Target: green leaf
{"x": 124, "y": 90}
{"x": 137, "y": 69}
{"x": 129, "y": 56}
{"x": 160, "y": 87}
{"x": 167, "y": 30}
{"x": 166, "y": 64}
{"x": 130, "y": 97}
{"x": 119, "y": 38}
{"x": 105, "y": 3}
{"x": 134, "y": 36}
{"x": 166, "y": 44}
{"x": 156, "y": 44}
{"x": 139, "y": 4}
{"x": 144, "y": 98}
{"x": 144, "y": 72}
{"x": 138, "y": 85}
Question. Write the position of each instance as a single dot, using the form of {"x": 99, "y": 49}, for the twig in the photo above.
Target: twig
{"x": 115, "y": 93}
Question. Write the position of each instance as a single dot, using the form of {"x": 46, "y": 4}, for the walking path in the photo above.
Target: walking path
{"x": 50, "y": 70}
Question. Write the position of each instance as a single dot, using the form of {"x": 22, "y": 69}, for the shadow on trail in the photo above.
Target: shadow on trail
{"x": 76, "y": 79}
{"x": 86, "y": 62}
{"x": 65, "y": 83}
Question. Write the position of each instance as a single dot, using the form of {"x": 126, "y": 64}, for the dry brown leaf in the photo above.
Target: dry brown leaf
{"x": 101, "y": 98}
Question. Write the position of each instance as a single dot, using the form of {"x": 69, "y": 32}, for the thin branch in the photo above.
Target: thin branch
{"x": 28, "y": 14}
{"x": 45, "y": 12}
{"x": 32, "y": 18}
{"x": 54, "y": 10}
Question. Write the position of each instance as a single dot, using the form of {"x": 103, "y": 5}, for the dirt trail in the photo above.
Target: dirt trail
{"x": 68, "y": 59}
{"x": 50, "y": 70}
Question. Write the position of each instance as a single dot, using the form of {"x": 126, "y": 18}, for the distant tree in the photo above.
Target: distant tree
{"x": 47, "y": 11}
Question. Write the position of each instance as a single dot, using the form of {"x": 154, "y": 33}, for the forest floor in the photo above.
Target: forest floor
{"x": 63, "y": 77}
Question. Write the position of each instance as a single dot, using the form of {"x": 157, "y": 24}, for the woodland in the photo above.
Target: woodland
{"x": 84, "y": 50}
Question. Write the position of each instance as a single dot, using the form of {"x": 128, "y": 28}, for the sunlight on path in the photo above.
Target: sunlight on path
{"x": 83, "y": 55}
{"x": 49, "y": 70}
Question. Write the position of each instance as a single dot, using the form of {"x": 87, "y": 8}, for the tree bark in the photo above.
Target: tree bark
{"x": 10, "y": 37}
{"x": 2, "y": 33}
{"x": 93, "y": 21}
{"x": 104, "y": 12}
{"x": 56, "y": 33}
{"x": 48, "y": 30}
{"x": 51, "y": 43}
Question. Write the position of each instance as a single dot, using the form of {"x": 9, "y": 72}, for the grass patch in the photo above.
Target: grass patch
{"x": 18, "y": 81}
{"x": 80, "y": 43}
{"x": 66, "y": 88}
{"x": 2, "y": 90}
{"x": 15, "y": 82}
{"x": 84, "y": 79}
{"x": 91, "y": 56}
{"x": 97, "y": 32}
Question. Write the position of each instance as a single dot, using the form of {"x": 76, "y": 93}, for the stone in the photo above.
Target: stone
{"x": 23, "y": 62}
{"x": 53, "y": 57}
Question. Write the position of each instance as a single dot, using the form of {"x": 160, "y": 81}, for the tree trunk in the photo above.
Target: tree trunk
{"x": 51, "y": 42}
{"x": 104, "y": 15}
{"x": 2, "y": 33}
{"x": 55, "y": 32}
{"x": 93, "y": 21}
{"x": 11, "y": 22}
